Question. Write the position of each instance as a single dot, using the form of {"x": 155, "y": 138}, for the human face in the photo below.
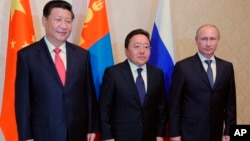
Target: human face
{"x": 207, "y": 40}
{"x": 58, "y": 26}
{"x": 138, "y": 50}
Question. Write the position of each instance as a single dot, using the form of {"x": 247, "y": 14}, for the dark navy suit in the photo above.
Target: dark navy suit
{"x": 123, "y": 117}
{"x": 45, "y": 109}
{"x": 197, "y": 111}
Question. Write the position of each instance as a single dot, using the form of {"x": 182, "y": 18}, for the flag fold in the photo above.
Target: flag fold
{"x": 162, "y": 53}
{"x": 21, "y": 34}
{"x": 95, "y": 37}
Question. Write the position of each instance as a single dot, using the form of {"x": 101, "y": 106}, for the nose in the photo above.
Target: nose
{"x": 208, "y": 43}
{"x": 142, "y": 49}
{"x": 63, "y": 24}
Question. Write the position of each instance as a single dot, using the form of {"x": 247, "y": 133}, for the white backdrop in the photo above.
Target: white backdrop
{"x": 123, "y": 16}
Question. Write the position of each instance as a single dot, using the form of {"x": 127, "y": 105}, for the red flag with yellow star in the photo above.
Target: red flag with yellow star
{"x": 21, "y": 34}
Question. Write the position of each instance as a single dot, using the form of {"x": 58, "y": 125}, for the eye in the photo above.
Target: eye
{"x": 58, "y": 19}
{"x": 212, "y": 38}
{"x": 137, "y": 46}
{"x": 204, "y": 38}
{"x": 68, "y": 21}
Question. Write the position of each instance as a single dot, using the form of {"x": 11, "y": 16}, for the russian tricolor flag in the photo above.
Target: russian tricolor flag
{"x": 96, "y": 39}
{"x": 162, "y": 52}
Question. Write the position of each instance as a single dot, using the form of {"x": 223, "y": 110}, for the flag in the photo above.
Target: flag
{"x": 95, "y": 37}
{"x": 21, "y": 33}
{"x": 162, "y": 52}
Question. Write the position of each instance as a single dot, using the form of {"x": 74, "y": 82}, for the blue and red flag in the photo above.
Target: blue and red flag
{"x": 162, "y": 53}
{"x": 95, "y": 37}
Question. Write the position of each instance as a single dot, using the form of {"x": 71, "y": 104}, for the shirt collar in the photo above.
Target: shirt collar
{"x": 203, "y": 58}
{"x": 51, "y": 47}
{"x": 134, "y": 67}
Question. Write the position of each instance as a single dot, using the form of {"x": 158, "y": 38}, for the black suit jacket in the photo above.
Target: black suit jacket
{"x": 122, "y": 115}
{"x": 196, "y": 110}
{"x": 45, "y": 109}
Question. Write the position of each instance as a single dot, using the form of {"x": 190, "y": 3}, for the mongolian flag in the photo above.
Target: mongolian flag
{"x": 21, "y": 34}
{"x": 95, "y": 37}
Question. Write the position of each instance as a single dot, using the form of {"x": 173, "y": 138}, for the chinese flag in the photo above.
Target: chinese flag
{"x": 21, "y": 34}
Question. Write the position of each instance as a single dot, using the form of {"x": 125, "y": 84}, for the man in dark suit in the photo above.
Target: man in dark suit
{"x": 126, "y": 113}
{"x": 202, "y": 106}
{"x": 48, "y": 107}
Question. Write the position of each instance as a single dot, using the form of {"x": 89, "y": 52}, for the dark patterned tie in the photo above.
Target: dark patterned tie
{"x": 210, "y": 72}
{"x": 140, "y": 86}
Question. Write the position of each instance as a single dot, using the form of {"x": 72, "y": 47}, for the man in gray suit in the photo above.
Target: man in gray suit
{"x": 50, "y": 107}
{"x": 129, "y": 112}
{"x": 202, "y": 106}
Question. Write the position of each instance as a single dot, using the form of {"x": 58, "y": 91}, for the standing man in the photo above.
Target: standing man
{"x": 54, "y": 93}
{"x": 202, "y": 106}
{"x": 132, "y": 98}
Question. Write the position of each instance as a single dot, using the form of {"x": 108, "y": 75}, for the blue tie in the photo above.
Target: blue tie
{"x": 140, "y": 86}
{"x": 210, "y": 72}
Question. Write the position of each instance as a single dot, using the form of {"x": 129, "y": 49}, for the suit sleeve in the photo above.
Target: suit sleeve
{"x": 92, "y": 100}
{"x": 175, "y": 97}
{"x": 230, "y": 103}
{"x": 162, "y": 107}
{"x": 105, "y": 102}
{"x": 22, "y": 99}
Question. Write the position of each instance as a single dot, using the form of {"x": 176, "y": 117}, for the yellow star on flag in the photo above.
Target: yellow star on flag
{"x": 16, "y": 5}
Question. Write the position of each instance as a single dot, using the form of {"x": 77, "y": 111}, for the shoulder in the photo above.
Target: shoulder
{"x": 76, "y": 47}
{"x": 153, "y": 68}
{"x": 220, "y": 60}
{"x": 118, "y": 66}
{"x": 223, "y": 63}
{"x": 187, "y": 61}
{"x": 32, "y": 47}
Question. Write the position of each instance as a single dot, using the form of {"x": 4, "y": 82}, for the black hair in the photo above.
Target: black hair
{"x": 57, "y": 4}
{"x": 136, "y": 32}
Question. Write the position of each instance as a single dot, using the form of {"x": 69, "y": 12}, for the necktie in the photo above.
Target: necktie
{"x": 210, "y": 72}
{"x": 59, "y": 65}
{"x": 140, "y": 86}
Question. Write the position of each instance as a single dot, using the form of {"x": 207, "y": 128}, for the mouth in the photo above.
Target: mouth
{"x": 62, "y": 32}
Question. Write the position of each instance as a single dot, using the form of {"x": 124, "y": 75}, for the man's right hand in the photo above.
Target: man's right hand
{"x": 175, "y": 138}
{"x": 110, "y": 140}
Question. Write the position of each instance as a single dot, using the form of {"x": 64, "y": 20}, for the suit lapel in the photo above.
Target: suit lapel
{"x": 198, "y": 67}
{"x": 70, "y": 63}
{"x": 219, "y": 71}
{"x": 128, "y": 76}
{"x": 46, "y": 60}
{"x": 150, "y": 80}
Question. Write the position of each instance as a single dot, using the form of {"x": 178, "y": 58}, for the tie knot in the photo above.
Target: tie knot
{"x": 57, "y": 50}
{"x": 139, "y": 70}
{"x": 208, "y": 62}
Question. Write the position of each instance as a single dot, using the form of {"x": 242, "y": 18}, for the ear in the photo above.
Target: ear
{"x": 196, "y": 38}
{"x": 44, "y": 20}
{"x": 126, "y": 51}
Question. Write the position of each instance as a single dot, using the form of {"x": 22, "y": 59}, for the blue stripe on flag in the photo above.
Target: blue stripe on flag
{"x": 160, "y": 57}
{"x": 101, "y": 57}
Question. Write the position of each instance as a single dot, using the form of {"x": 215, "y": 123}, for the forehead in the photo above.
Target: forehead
{"x": 208, "y": 30}
{"x": 140, "y": 38}
{"x": 60, "y": 11}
